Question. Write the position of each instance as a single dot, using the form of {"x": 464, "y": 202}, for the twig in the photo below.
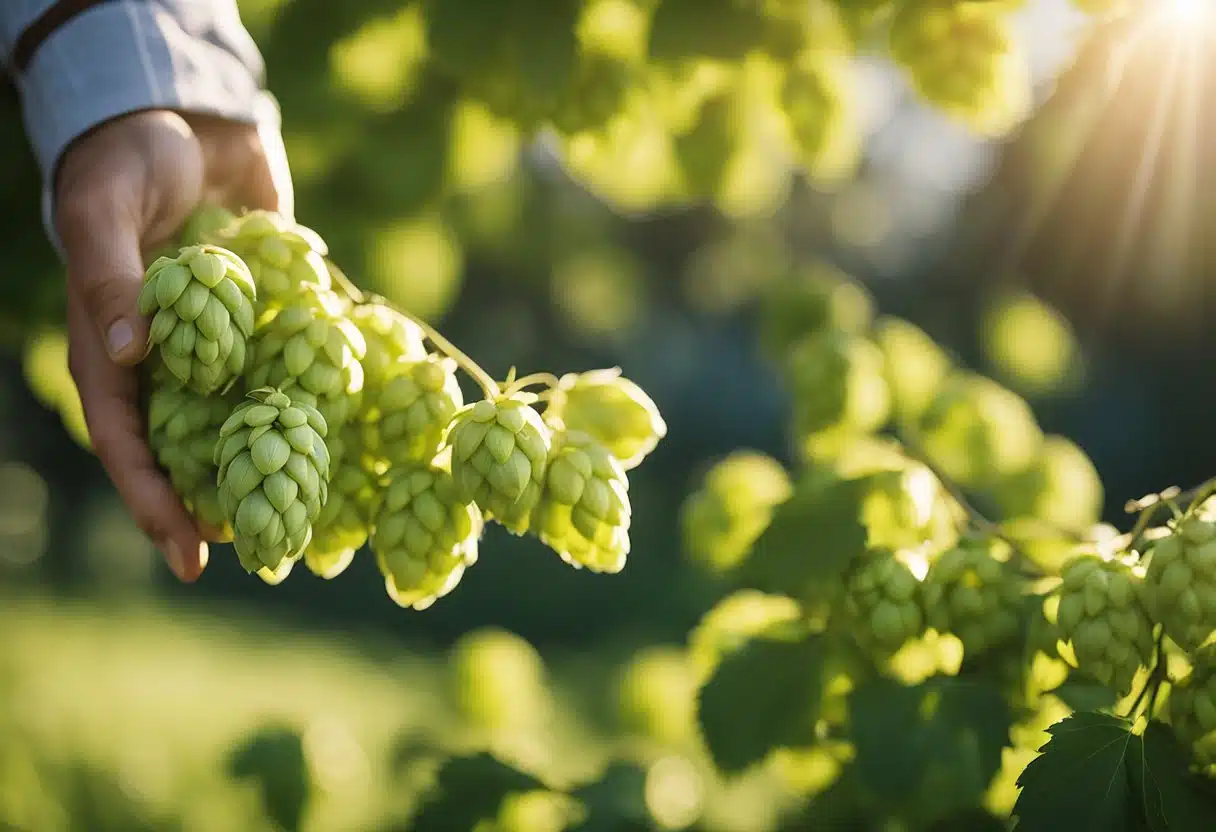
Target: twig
{"x": 1148, "y": 506}
{"x": 1156, "y": 676}
{"x": 483, "y": 379}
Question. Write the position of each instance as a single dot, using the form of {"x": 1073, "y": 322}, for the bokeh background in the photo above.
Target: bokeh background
{"x": 1067, "y": 260}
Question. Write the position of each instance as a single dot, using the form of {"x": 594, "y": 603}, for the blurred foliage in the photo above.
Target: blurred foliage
{"x": 568, "y": 180}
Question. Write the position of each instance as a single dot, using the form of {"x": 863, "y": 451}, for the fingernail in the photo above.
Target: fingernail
{"x": 204, "y": 552}
{"x": 173, "y": 556}
{"x": 119, "y": 337}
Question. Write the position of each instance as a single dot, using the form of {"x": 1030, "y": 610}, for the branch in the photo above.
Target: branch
{"x": 356, "y": 295}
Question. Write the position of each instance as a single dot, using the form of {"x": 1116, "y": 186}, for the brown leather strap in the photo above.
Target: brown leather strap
{"x": 56, "y": 15}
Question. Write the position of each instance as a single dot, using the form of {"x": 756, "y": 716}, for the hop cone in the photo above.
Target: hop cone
{"x": 583, "y": 513}
{"x": 282, "y": 255}
{"x": 883, "y": 599}
{"x": 612, "y": 410}
{"x": 273, "y": 477}
{"x": 311, "y": 348}
{"x": 425, "y": 535}
{"x": 414, "y": 408}
{"x": 500, "y": 449}
{"x": 972, "y": 592}
{"x": 183, "y": 427}
{"x": 1180, "y": 585}
{"x": 342, "y": 525}
{"x": 1101, "y": 615}
{"x": 1192, "y": 706}
{"x": 838, "y": 384}
{"x": 732, "y": 508}
{"x": 202, "y": 303}
{"x": 391, "y": 337}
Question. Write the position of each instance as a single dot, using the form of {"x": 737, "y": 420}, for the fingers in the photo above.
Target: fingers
{"x": 109, "y": 395}
{"x": 105, "y": 266}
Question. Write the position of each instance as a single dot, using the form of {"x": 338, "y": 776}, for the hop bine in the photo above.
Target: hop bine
{"x": 500, "y": 449}
{"x": 273, "y": 479}
{"x": 584, "y": 512}
{"x": 425, "y": 535}
{"x": 202, "y": 307}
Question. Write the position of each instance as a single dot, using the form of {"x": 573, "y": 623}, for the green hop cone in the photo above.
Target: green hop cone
{"x": 343, "y": 524}
{"x": 390, "y": 336}
{"x": 732, "y": 508}
{"x": 283, "y": 256}
{"x": 611, "y": 409}
{"x": 1101, "y": 615}
{"x": 413, "y": 409}
{"x": 203, "y": 223}
{"x": 1180, "y": 583}
{"x": 839, "y": 386}
{"x": 500, "y": 449}
{"x": 972, "y": 592}
{"x": 311, "y": 351}
{"x": 883, "y": 600}
{"x": 273, "y": 477}
{"x": 584, "y": 513}
{"x": 202, "y": 307}
{"x": 1061, "y": 488}
{"x": 425, "y": 535}
{"x": 1192, "y": 706}
{"x": 183, "y": 427}
{"x": 817, "y": 298}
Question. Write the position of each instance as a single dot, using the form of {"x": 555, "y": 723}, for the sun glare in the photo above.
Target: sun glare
{"x": 1186, "y": 12}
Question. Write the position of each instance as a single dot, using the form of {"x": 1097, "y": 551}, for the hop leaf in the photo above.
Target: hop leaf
{"x": 972, "y": 592}
{"x": 273, "y": 478}
{"x": 425, "y": 535}
{"x": 283, "y": 256}
{"x": 414, "y": 407}
{"x": 584, "y": 511}
{"x": 1180, "y": 583}
{"x": 183, "y": 427}
{"x": 812, "y": 300}
{"x": 883, "y": 601}
{"x": 612, "y": 410}
{"x": 342, "y": 525}
{"x": 311, "y": 351}
{"x": 202, "y": 307}
{"x": 1101, "y": 615}
{"x": 500, "y": 451}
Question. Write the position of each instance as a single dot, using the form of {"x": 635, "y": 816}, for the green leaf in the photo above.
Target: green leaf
{"x": 697, "y": 29}
{"x": 911, "y": 739}
{"x": 1174, "y": 799}
{"x": 274, "y": 759}
{"x": 764, "y": 696}
{"x": 1079, "y": 781}
{"x": 812, "y": 539}
{"x": 469, "y": 790}
{"x": 616, "y": 802}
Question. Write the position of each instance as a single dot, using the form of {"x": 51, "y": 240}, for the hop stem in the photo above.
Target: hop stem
{"x": 547, "y": 379}
{"x": 483, "y": 379}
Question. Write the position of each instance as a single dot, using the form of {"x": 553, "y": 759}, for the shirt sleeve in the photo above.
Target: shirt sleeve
{"x": 123, "y": 56}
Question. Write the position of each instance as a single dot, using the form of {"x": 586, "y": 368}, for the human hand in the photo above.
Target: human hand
{"x": 121, "y": 191}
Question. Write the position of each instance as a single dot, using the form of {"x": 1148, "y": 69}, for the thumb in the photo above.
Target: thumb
{"x": 102, "y": 247}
